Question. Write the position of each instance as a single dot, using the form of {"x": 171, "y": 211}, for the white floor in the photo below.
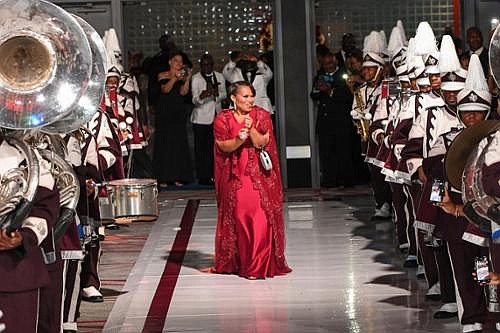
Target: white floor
{"x": 347, "y": 277}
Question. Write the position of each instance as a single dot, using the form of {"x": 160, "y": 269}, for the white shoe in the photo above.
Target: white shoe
{"x": 91, "y": 294}
{"x": 91, "y": 291}
{"x": 434, "y": 292}
{"x": 497, "y": 327}
{"x": 384, "y": 211}
{"x": 472, "y": 327}
{"x": 449, "y": 307}
{"x": 420, "y": 271}
{"x": 435, "y": 289}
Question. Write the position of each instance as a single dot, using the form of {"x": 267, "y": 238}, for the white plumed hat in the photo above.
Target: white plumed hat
{"x": 373, "y": 48}
{"x": 452, "y": 74}
{"x": 475, "y": 96}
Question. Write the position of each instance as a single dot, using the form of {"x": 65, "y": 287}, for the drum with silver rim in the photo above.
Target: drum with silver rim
{"x": 133, "y": 199}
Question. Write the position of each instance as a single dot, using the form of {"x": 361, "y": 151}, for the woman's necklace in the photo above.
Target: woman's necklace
{"x": 240, "y": 115}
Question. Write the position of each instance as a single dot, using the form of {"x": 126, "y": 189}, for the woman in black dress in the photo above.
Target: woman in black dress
{"x": 171, "y": 158}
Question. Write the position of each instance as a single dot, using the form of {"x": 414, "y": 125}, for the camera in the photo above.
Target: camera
{"x": 481, "y": 269}
{"x": 326, "y": 78}
{"x": 183, "y": 72}
{"x": 437, "y": 190}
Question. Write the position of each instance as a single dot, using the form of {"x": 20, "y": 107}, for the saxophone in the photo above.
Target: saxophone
{"x": 360, "y": 116}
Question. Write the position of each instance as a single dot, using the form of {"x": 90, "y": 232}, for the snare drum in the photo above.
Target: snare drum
{"x": 134, "y": 199}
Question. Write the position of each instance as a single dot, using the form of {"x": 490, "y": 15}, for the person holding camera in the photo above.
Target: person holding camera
{"x": 246, "y": 67}
{"x": 208, "y": 89}
{"x": 171, "y": 159}
{"x": 334, "y": 126}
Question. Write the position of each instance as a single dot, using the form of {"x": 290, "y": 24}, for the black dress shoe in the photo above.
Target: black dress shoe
{"x": 410, "y": 263}
{"x": 93, "y": 299}
{"x": 435, "y": 297}
{"x": 112, "y": 226}
{"x": 445, "y": 315}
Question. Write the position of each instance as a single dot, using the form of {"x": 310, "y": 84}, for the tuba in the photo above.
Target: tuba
{"x": 18, "y": 185}
{"x": 45, "y": 71}
{"x": 69, "y": 189}
{"x": 84, "y": 110}
{"x": 45, "y": 63}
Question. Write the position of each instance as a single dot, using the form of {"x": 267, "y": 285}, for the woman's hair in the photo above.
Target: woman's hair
{"x": 174, "y": 54}
{"x": 234, "y": 87}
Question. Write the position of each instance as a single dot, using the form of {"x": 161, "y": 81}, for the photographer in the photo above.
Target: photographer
{"x": 171, "y": 159}
{"x": 208, "y": 89}
{"x": 334, "y": 125}
{"x": 246, "y": 67}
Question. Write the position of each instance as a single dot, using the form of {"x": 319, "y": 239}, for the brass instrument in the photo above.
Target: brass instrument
{"x": 360, "y": 117}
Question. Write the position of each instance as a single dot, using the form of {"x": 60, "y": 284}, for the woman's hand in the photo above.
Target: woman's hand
{"x": 10, "y": 241}
{"x": 243, "y": 134}
{"x": 248, "y": 122}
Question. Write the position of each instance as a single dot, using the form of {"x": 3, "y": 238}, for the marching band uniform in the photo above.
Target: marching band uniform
{"x": 23, "y": 269}
{"x": 134, "y": 143}
{"x": 400, "y": 197}
{"x": 82, "y": 154}
{"x": 412, "y": 153}
{"x": 472, "y": 243}
{"x": 111, "y": 167}
{"x": 370, "y": 92}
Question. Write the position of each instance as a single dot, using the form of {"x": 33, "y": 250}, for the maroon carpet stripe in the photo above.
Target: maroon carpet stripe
{"x": 157, "y": 314}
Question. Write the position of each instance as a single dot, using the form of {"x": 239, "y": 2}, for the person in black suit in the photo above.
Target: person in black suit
{"x": 348, "y": 44}
{"x": 475, "y": 42}
{"x": 334, "y": 125}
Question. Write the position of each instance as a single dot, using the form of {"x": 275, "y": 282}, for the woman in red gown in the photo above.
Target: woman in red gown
{"x": 250, "y": 235}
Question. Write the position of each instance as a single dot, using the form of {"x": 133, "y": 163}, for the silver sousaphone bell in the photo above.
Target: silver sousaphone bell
{"x": 45, "y": 63}
{"x": 83, "y": 111}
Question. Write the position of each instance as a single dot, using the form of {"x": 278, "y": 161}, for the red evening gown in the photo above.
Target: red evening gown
{"x": 250, "y": 237}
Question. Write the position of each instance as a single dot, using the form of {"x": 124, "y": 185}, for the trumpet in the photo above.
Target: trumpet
{"x": 360, "y": 116}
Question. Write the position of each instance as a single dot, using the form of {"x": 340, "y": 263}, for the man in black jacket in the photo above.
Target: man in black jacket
{"x": 334, "y": 125}
{"x": 475, "y": 42}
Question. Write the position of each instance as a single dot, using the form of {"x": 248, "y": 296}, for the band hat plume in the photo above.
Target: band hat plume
{"x": 410, "y": 58}
{"x": 396, "y": 43}
{"x": 425, "y": 41}
{"x": 426, "y": 47}
{"x": 373, "y": 48}
{"x": 452, "y": 75}
{"x": 475, "y": 96}
{"x": 115, "y": 67}
{"x": 399, "y": 24}
{"x": 385, "y": 53}
{"x": 397, "y": 51}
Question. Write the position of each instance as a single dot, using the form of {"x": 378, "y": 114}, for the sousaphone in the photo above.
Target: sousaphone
{"x": 86, "y": 107}
{"x": 45, "y": 63}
